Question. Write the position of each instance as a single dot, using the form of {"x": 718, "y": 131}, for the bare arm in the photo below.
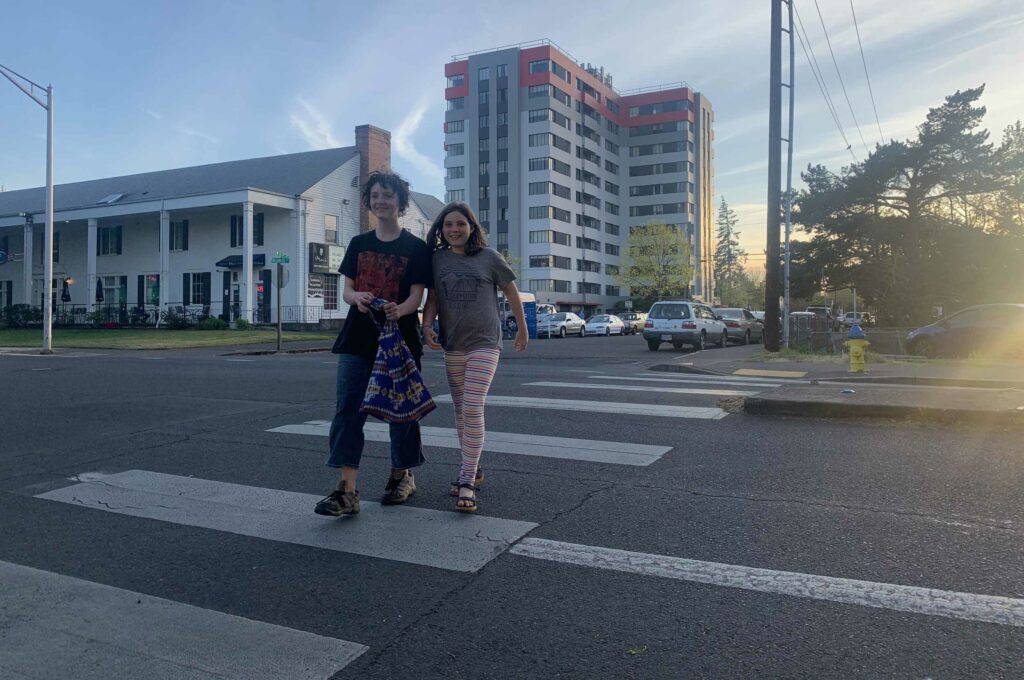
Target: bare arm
{"x": 512, "y": 295}
{"x": 360, "y": 300}
{"x": 429, "y": 314}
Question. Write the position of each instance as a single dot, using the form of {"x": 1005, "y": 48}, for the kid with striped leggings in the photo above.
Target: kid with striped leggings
{"x": 467, "y": 276}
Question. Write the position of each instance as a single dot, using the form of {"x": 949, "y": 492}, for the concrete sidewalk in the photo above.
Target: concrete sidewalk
{"x": 946, "y": 392}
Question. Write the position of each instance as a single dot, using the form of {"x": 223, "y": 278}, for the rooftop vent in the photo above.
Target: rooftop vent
{"x": 112, "y": 198}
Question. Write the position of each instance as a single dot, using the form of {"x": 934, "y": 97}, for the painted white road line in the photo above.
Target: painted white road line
{"x": 686, "y": 381}
{"x": 566, "y": 448}
{"x": 699, "y": 412}
{"x": 968, "y": 606}
{"x": 42, "y": 369}
{"x": 58, "y": 626}
{"x": 651, "y": 389}
{"x": 446, "y": 540}
{"x": 706, "y": 377}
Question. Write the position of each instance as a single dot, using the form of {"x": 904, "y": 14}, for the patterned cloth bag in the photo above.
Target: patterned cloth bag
{"x": 396, "y": 392}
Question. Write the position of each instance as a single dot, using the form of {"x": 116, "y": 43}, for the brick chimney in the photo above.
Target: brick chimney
{"x": 374, "y": 146}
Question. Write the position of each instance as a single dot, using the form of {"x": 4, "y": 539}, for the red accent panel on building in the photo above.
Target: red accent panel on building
{"x": 454, "y": 68}
{"x": 456, "y": 92}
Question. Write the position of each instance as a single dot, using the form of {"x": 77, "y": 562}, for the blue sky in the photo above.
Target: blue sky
{"x": 152, "y": 85}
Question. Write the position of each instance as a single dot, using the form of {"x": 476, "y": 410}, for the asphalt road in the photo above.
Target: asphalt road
{"x": 725, "y": 546}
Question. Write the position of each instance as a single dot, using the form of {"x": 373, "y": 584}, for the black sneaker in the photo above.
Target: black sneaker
{"x": 398, "y": 490}
{"x": 338, "y": 503}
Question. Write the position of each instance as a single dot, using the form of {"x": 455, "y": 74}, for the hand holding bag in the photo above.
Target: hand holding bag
{"x": 396, "y": 392}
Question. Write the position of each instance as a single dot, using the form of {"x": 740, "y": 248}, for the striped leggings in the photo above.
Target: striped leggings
{"x": 469, "y": 378}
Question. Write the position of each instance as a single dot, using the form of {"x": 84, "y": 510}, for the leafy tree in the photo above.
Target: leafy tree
{"x": 914, "y": 225}
{"x": 729, "y": 257}
{"x": 658, "y": 263}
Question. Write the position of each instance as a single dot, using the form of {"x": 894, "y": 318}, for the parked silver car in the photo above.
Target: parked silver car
{"x": 605, "y": 324}
{"x": 634, "y": 322}
{"x": 741, "y": 325}
{"x": 682, "y": 322}
{"x": 561, "y": 324}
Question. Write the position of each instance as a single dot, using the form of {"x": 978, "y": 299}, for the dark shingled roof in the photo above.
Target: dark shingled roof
{"x": 289, "y": 174}
{"x": 428, "y": 205}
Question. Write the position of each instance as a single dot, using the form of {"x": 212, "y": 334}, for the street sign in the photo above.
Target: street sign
{"x": 629, "y": 304}
{"x": 280, "y": 258}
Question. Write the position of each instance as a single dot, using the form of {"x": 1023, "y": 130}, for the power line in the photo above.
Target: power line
{"x": 840, "y": 76}
{"x": 819, "y": 78}
{"x": 866, "y": 76}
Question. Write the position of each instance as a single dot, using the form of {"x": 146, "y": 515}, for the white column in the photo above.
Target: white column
{"x": 165, "y": 260}
{"x": 26, "y": 266}
{"x": 248, "y": 311}
{"x": 90, "y": 278}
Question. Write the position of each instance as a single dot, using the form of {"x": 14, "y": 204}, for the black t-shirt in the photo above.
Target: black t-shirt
{"x": 388, "y": 269}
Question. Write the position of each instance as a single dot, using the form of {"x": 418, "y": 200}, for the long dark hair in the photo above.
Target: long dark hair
{"x": 477, "y": 239}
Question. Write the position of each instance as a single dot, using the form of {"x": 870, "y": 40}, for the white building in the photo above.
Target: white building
{"x": 179, "y": 238}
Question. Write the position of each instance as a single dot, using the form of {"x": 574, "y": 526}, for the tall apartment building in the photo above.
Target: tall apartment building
{"x": 560, "y": 165}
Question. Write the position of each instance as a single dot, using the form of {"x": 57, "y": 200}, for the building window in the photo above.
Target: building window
{"x": 540, "y": 261}
{"x": 456, "y": 149}
{"x": 456, "y": 126}
{"x": 108, "y": 240}
{"x": 454, "y": 195}
{"x": 485, "y": 168}
{"x": 612, "y": 229}
{"x": 456, "y": 172}
{"x": 112, "y": 291}
{"x": 655, "y": 169}
{"x": 199, "y": 289}
{"x": 330, "y": 228}
{"x": 538, "y": 115}
{"x": 609, "y": 145}
{"x": 611, "y": 167}
{"x": 502, "y": 188}
{"x": 611, "y": 290}
{"x": 611, "y": 208}
{"x": 611, "y": 249}
{"x": 549, "y": 286}
{"x": 538, "y": 188}
{"x": 457, "y": 104}
{"x": 237, "y": 236}
{"x": 484, "y": 73}
{"x": 660, "y": 107}
{"x": 484, "y": 192}
{"x": 588, "y": 243}
{"x": 655, "y": 128}
{"x": 502, "y": 142}
{"x": 483, "y": 122}
{"x": 611, "y": 269}
{"x": 502, "y": 93}
{"x": 482, "y": 98}
{"x": 588, "y": 288}
{"x": 457, "y": 80}
{"x": 330, "y": 291}
{"x": 614, "y": 108}
{"x": 501, "y": 71}
{"x": 587, "y": 221}
{"x": 540, "y": 139}
{"x": 539, "y": 163}
{"x": 502, "y": 166}
{"x": 503, "y": 117}
{"x": 179, "y": 235}
{"x": 657, "y": 209}
{"x": 539, "y": 66}
{"x": 484, "y": 215}
{"x": 588, "y": 266}
{"x": 611, "y": 188}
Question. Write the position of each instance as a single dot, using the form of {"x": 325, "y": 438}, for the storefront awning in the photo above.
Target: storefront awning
{"x": 235, "y": 261}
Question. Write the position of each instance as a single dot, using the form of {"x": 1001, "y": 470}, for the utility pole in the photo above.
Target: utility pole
{"x": 789, "y": 179}
{"x": 771, "y": 289}
{"x": 30, "y": 88}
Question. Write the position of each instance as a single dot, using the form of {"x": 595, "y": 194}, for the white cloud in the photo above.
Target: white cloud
{"x": 153, "y": 114}
{"x": 313, "y": 126}
{"x": 401, "y": 141}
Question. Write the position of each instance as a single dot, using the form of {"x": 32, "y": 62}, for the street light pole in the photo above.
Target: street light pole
{"x": 29, "y": 88}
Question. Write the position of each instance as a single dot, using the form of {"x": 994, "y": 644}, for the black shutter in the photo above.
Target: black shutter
{"x": 10, "y": 291}
{"x": 140, "y": 288}
{"x": 207, "y": 283}
{"x": 258, "y": 229}
{"x": 185, "y": 297}
{"x": 170, "y": 237}
{"x": 234, "y": 240}
{"x": 184, "y": 235}
{"x": 122, "y": 284}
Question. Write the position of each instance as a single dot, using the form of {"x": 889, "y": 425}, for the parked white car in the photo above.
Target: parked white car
{"x": 561, "y": 324}
{"x": 682, "y": 322}
{"x": 605, "y": 324}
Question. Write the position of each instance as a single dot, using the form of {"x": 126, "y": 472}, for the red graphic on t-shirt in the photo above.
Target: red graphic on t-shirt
{"x": 380, "y": 274}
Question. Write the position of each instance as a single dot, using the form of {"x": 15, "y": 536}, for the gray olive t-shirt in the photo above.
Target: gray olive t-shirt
{"x": 466, "y": 288}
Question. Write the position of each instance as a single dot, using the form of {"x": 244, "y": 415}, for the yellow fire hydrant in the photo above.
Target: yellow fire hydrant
{"x": 857, "y": 343}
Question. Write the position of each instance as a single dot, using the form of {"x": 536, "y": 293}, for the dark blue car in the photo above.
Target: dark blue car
{"x": 987, "y": 330}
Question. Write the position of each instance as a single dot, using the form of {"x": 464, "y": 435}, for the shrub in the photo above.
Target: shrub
{"x": 21, "y": 316}
{"x": 110, "y": 324}
{"x": 173, "y": 320}
{"x": 243, "y": 325}
{"x": 212, "y": 324}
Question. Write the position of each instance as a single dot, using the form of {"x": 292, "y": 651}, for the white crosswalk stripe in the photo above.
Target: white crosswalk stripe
{"x": 566, "y": 448}
{"x": 688, "y": 381}
{"x": 432, "y": 538}
{"x": 622, "y": 408}
{"x": 649, "y": 389}
{"x": 57, "y": 626}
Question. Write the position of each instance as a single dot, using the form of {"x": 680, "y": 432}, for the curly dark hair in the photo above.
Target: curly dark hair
{"x": 388, "y": 180}
{"x": 477, "y": 238}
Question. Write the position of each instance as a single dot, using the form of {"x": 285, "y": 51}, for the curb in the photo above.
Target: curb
{"x": 929, "y": 381}
{"x": 847, "y": 411}
{"x": 260, "y": 352}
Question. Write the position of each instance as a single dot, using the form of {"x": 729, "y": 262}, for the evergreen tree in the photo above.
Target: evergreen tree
{"x": 729, "y": 257}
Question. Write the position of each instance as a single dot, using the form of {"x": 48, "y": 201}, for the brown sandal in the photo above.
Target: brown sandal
{"x": 467, "y": 503}
{"x": 478, "y": 480}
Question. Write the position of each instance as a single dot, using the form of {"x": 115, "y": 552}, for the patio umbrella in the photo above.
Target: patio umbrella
{"x": 65, "y": 294}
{"x": 99, "y": 290}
